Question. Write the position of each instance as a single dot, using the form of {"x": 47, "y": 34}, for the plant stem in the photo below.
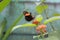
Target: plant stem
{"x": 52, "y": 26}
{"x": 50, "y": 22}
{"x": 3, "y": 24}
{"x": 9, "y": 29}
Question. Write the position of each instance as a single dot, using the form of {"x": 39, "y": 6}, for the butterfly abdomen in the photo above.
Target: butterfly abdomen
{"x": 29, "y": 18}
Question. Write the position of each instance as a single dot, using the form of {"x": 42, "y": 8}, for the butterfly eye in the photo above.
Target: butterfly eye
{"x": 1, "y": 0}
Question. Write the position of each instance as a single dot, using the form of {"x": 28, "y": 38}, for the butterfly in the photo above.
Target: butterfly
{"x": 28, "y": 16}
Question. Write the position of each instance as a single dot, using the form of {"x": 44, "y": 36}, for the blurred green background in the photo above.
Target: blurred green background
{"x": 15, "y": 9}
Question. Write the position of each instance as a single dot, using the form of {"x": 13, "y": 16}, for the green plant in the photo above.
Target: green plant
{"x": 52, "y": 19}
{"x": 56, "y": 14}
{"x": 13, "y": 27}
{"x": 3, "y": 24}
{"x": 48, "y": 21}
{"x": 39, "y": 9}
{"x": 3, "y": 4}
{"x": 9, "y": 29}
{"x": 39, "y": 18}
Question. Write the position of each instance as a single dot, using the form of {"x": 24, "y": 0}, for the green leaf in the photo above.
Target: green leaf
{"x": 41, "y": 8}
{"x": 3, "y": 4}
{"x": 45, "y": 6}
{"x": 52, "y": 19}
{"x": 9, "y": 29}
{"x": 56, "y": 14}
{"x": 23, "y": 26}
{"x": 3, "y": 25}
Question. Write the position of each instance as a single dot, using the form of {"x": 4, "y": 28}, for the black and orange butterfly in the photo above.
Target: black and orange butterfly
{"x": 28, "y": 16}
